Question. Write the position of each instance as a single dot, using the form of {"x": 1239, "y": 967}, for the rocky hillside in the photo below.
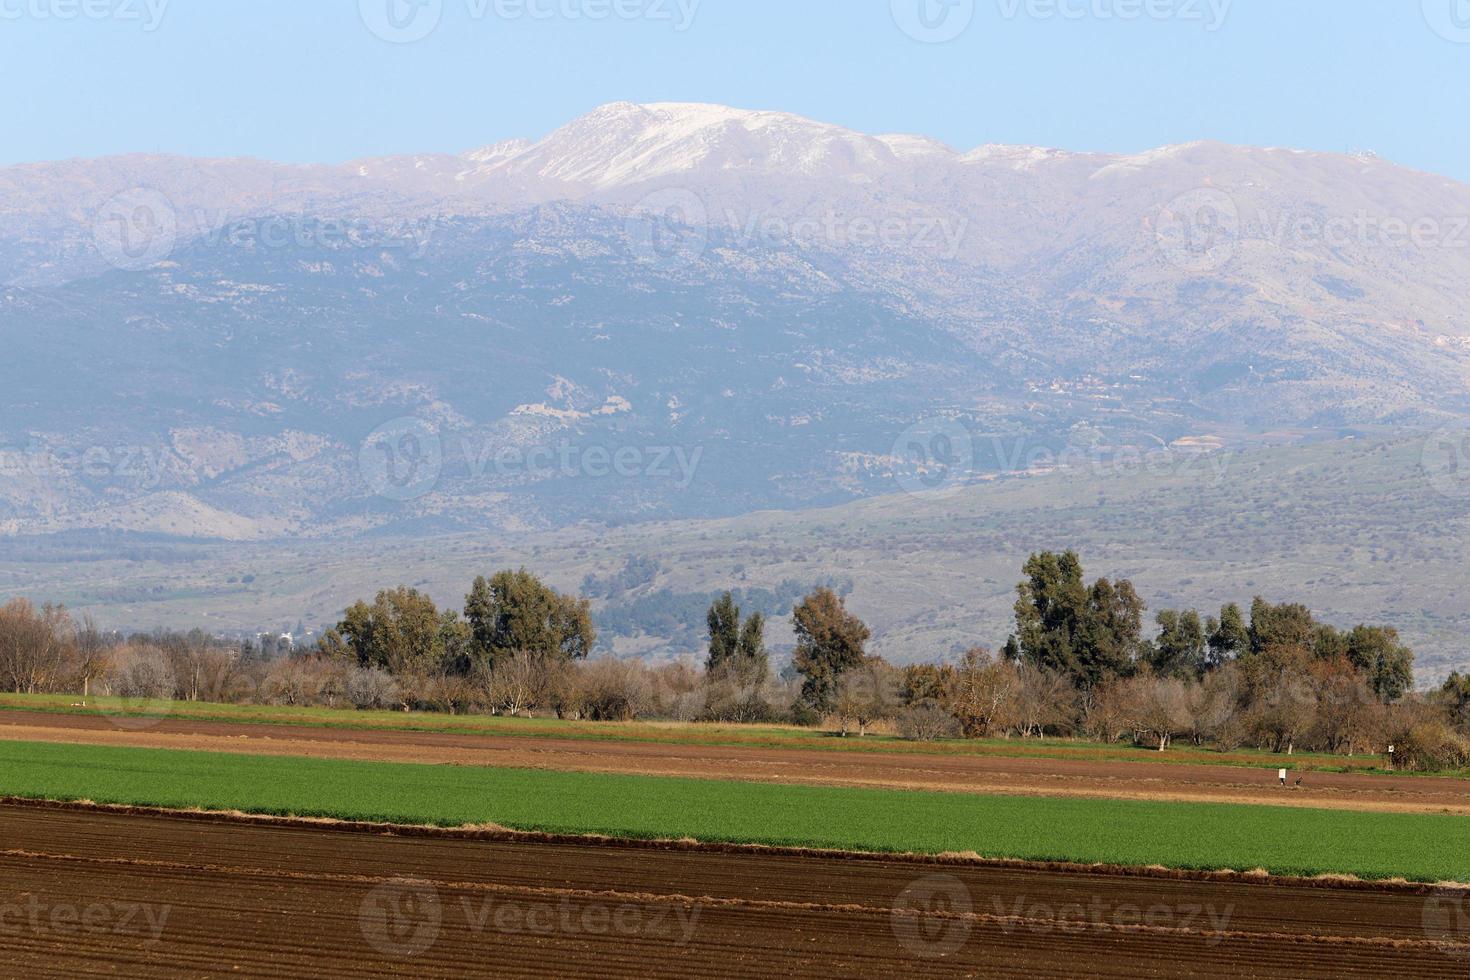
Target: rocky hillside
{"x": 687, "y": 310}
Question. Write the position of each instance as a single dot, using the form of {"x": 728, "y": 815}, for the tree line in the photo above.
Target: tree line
{"x": 1078, "y": 664}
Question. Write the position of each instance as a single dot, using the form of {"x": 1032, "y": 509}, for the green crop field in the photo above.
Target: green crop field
{"x": 1280, "y": 839}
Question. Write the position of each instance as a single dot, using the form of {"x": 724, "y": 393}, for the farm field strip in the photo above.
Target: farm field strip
{"x": 198, "y": 893}
{"x": 952, "y": 773}
{"x": 140, "y": 714}
{"x": 1287, "y": 841}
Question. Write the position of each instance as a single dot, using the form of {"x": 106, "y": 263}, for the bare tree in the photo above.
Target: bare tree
{"x": 36, "y": 647}
{"x": 449, "y": 693}
{"x": 1045, "y": 699}
{"x": 92, "y": 652}
{"x": 291, "y": 681}
{"x": 983, "y": 693}
{"x": 678, "y": 689}
{"x": 1161, "y": 708}
{"x": 141, "y": 672}
{"x": 1282, "y": 697}
{"x": 371, "y": 688}
{"x": 614, "y": 690}
{"x": 515, "y": 684}
{"x": 866, "y": 694}
{"x": 925, "y": 721}
{"x": 1110, "y": 710}
{"x": 1284, "y": 713}
{"x": 561, "y": 688}
{"x": 1214, "y": 707}
{"x": 1348, "y": 713}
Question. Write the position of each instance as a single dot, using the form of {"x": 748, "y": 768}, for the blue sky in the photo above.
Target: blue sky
{"x": 309, "y": 80}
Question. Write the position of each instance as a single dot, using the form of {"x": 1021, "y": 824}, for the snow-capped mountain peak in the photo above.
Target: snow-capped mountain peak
{"x": 625, "y": 143}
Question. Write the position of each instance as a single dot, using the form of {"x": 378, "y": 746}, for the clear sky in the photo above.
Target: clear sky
{"x": 310, "y": 80}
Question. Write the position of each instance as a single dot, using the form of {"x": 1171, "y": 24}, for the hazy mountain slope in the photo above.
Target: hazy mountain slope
{"x": 798, "y": 305}
{"x": 531, "y": 333}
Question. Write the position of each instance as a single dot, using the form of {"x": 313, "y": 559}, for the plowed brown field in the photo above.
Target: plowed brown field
{"x": 87, "y": 893}
{"x": 975, "y": 774}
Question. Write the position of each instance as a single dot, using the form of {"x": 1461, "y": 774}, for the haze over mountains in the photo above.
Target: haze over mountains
{"x": 685, "y": 311}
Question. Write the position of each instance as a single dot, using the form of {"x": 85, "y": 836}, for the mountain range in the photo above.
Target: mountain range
{"x": 678, "y": 310}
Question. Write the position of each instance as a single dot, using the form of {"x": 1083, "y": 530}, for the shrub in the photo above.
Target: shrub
{"x": 614, "y": 690}
{"x": 926, "y": 721}
{"x": 805, "y": 715}
{"x": 1430, "y": 745}
{"x": 371, "y": 688}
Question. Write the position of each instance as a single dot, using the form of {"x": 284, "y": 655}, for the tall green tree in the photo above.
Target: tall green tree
{"x": 1051, "y": 612}
{"x": 829, "y": 641}
{"x": 401, "y": 632}
{"x": 1385, "y": 661}
{"x": 1454, "y": 694}
{"x": 1113, "y": 632}
{"x": 1331, "y": 643}
{"x": 515, "y": 612}
{"x": 1286, "y": 625}
{"x": 1087, "y": 634}
{"x": 483, "y": 618}
{"x": 737, "y": 649}
{"x": 724, "y": 632}
{"x": 753, "y": 663}
{"x": 1180, "y": 650}
{"x": 1229, "y": 636}
{"x": 458, "y": 641}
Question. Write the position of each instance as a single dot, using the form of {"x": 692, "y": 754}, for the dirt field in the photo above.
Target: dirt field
{"x": 978, "y": 774}
{"x": 86, "y": 893}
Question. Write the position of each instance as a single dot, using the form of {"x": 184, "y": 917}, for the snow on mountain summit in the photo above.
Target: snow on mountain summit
{"x": 625, "y": 143}
{"x": 498, "y": 152}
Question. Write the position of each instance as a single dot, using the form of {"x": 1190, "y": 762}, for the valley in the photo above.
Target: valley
{"x": 1366, "y": 528}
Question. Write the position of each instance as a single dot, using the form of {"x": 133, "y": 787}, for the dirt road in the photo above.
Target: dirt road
{"x": 976, "y": 774}
{"x": 86, "y": 893}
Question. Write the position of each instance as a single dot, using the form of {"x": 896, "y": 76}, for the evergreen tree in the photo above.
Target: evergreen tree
{"x": 1386, "y": 662}
{"x": 1050, "y": 612}
{"x": 399, "y": 632}
{"x": 724, "y": 632}
{"x": 515, "y": 612}
{"x": 1289, "y": 624}
{"x": 754, "y": 663}
{"x": 1087, "y": 634}
{"x": 1330, "y": 643}
{"x": 829, "y": 641}
{"x": 1180, "y": 648}
{"x": 1455, "y": 695}
{"x": 1229, "y": 636}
